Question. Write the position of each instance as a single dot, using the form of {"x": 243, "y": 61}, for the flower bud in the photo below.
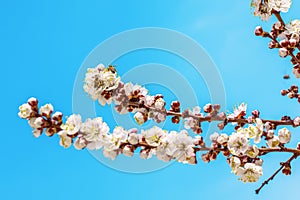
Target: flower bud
{"x": 258, "y": 31}
{"x": 283, "y": 52}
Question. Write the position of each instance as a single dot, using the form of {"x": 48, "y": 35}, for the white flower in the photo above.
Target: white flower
{"x": 37, "y": 132}
{"x": 296, "y": 72}
{"x": 274, "y": 142}
{"x": 284, "y": 135}
{"x": 130, "y": 89}
{"x": 234, "y": 163}
{"x": 65, "y": 140}
{"x": 159, "y": 103}
{"x": 296, "y": 121}
{"x": 38, "y": 122}
{"x": 115, "y": 140}
{"x": 31, "y": 122}
{"x": 254, "y": 132}
{"x": 94, "y": 131}
{"x": 80, "y": 143}
{"x": 238, "y": 144}
{"x": 253, "y": 151}
{"x": 223, "y": 138}
{"x": 149, "y": 100}
{"x": 293, "y": 27}
{"x": 32, "y": 101}
{"x": 112, "y": 154}
{"x": 99, "y": 80}
{"x": 239, "y": 111}
{"x": 25, "y": 111}
{"x": 180, "y": 146}
{"x": 50, "y": 131}
{"x": 190, "y": 122}
{"x": 213, "y": 137}
{"x": 146, "y": 153}
{"x": 127, "y": 151}
{"x": 153, "y": 136}
{"x": 280, "y": 5}
{"x": 46, "y": 110}
{"x": 139, "y": 118}
{"x": 72, "y": 125}
{"x": 133, "y": 138}
{"x": 161, "y": 150}
{"x": 261, "y": 9}
{"x": 283, "y": 52}
{"x": 250, "y": 172}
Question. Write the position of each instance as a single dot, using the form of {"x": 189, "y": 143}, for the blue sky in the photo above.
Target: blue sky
{"x": 44, "y": 43}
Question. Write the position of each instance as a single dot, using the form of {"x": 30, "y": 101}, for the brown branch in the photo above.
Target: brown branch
{"x": 262, "y": 151}
{"x": 287, "y": 163}
{"x": 278, "y": 16}
{"x": 216, "y": 117}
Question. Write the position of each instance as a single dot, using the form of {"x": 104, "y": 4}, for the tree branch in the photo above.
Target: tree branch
{"x": 285, "y": 164}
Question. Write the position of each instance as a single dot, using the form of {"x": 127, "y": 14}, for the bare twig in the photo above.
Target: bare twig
{"x": 294, "y": 156}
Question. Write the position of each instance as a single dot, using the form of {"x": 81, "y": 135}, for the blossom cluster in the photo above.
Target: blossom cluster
{"x": 265, "y": 8}
{"x": 292, "y": 92}
{"x": 94, "y": 134}
{"x": 42, "y": 118}
{"x": 284, "y": 37}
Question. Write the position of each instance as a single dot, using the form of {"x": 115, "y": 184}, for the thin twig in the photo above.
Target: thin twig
{"x": 294, "y": 156}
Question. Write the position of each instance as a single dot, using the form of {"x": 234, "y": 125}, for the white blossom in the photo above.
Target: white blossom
{"x": 32, "y": 101}
{"x": 94, "y": 132}
{"x": 284, "y": 135}
{"x": 274, "y": 142}
{"x": 153, "y": 136}
{"x": 80, "y": 143}
{"x": 46, "y": 110}
{"x": 213, "y": 137}
{"x": 296, "y": 72}
{"x": 254, "y": 131}
{"x": 72, "y": 125}
{"x": 146, "y": 153}
{"x": 127, "y": 151}
{"x": 180, "y": 146}
{"x": 238, "y": 144}
{"x": 139, "y": 118}
{"x": 161, "y": 150}
{"x": 57, "y": 115}
{"x": 261, "y": 9}
{"x": 112, "y": 154}
{"x": 31, "y": 122}
{"x": 283, "y": 52}
{"x": 293, "y": 27}
{"x": 99, "y": 80}
{"x": 234, "y": 163}
{"x": 38, "y": 122}
{"x": 25, "y": 111}
{"x": 149, "y": 100}
{"x": 296, "y": 121}
{"x": 65, "y": 140}
{"x": 133, "y": 138}
{"x": 190, "y": 122}
{"x": 130, "y": 89}
{"x": 223, "y": 138}
{"x": 114, "y": 141}
{"x": 280, "y": 5}
{"x": 159, "y": 103}
{"x": 239, "y": 111}
{"x": 252, "y": 151}
{"x": 37, "y": 132}
{"x": 250, "y": 172}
